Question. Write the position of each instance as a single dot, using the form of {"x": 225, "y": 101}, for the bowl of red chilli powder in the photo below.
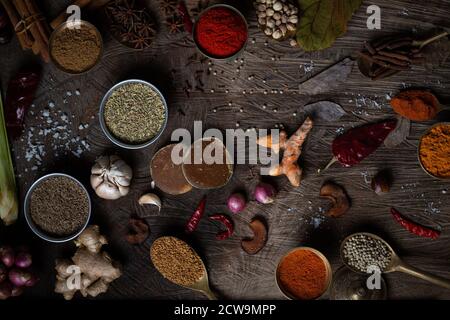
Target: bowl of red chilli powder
{"x": 303, "y": 274}
{"x": 220, "y": 32}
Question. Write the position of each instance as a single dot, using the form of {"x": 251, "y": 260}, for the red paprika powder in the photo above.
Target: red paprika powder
{"x": 221, "y": 32}
{"x": 303, "y": 274}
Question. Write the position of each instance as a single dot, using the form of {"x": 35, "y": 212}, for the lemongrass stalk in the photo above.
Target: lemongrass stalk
{"x": 8, "y": 197}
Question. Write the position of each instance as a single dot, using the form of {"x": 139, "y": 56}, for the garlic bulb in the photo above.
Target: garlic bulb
{"x": 111, "y": 177}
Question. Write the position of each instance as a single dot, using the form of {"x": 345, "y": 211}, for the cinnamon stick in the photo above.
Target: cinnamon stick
{"x": 25, "y": 41}
{"x": 391, "y": 60}
{"x": 40, "y": 43}
{"x": 40, "y": 23}
{"x": 395, "y": 55}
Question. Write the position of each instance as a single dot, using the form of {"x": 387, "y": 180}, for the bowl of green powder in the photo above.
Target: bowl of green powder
{"x": 57, "y": 207}
{"x": 133, "y": 114}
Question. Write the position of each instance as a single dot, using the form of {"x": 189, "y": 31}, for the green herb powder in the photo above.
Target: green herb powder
{"x": 134, "y": 113}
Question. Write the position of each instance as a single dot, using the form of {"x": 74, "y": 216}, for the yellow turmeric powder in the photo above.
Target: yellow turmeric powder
{"x": 434, "y": 151}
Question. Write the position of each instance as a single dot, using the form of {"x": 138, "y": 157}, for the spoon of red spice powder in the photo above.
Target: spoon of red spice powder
{"x": 220, "y": 32}
{"x": 419, "y": 105}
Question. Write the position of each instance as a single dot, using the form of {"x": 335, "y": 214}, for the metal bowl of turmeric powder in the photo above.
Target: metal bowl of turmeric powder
{"x": 75, "y": 47}
{"x": 220, "y": 32}
{"x": 303, "y": 273}
{"x": 433, "y": 151}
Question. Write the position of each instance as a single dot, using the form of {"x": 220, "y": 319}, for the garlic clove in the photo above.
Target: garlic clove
{"x": 96, "y": 181}
{"x": 123, "y": 190}
{"x": 108, "y": 191}
{"x": 122, "y": 181}
{"x": 150, "y": 198}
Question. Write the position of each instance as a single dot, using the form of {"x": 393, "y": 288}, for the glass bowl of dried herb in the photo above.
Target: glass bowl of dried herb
{"x": 57, "y": 207}
{"x": 220, "y": 32}
{"x": 133, "y": 114}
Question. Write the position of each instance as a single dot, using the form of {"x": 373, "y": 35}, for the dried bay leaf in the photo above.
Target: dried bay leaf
{"x": 400, "y": 133}
{"x": 329, "y": 79}
{"x": 324, "y": 110}
{"x": 323, "y": 21}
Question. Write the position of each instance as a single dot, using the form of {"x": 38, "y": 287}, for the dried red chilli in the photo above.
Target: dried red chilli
{"x": 19, "y": 97}
{"x": 413, "y": 227}
{"x": 358, "y": 143}
{"x": 196, "y": 216}
{"x": 228, "y": 224}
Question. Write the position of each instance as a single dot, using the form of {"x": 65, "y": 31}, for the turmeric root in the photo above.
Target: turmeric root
{"x": 292, "y": 151}
{"x": 269, "y": 143}
{"x": 90, "y": 271}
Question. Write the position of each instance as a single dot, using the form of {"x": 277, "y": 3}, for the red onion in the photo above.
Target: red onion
{"x": 236, "y": 202}
{"x": 265, "y": 193}
{"x": 23, "y": 260}
{"x": 7, "y": 256}
{"x": 5, "y": 290}
{"x": 20, "y": 277}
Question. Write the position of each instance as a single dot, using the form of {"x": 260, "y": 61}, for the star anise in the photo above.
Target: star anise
{"x": 175, "y": 24}
{"x": 142, "y": 42}
{"x": 144, "y": 29}
{"x": 131, "y": 23}
{"x": 168, "y": 7}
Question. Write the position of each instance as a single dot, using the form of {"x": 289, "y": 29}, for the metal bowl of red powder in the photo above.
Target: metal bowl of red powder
{"x": 303, "y": 273}
{"x": 220, "y": 32}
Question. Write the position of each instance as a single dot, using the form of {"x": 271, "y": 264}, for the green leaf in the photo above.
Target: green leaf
{"x": 322, "y": 21}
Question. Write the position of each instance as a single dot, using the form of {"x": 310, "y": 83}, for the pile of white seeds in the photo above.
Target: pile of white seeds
{"x": 362, "y": 252}
{"x": 277, "y": 18}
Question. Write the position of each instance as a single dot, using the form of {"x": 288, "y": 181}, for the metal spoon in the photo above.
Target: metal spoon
{"x": 201, "y": 285}
{"x": 396, "y": 264}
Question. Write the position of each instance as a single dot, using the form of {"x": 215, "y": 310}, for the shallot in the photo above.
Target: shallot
{"x": 20, "y": 277}
{"x": 7, "y": 256}
{"x": 15, "y": 273}
{"x": 265, "y": 193}
{"x": 23, "y": 260}
{"x": 236, "y": 203}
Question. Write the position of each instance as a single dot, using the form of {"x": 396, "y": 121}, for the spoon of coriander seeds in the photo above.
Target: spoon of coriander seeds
{"x": 180, "y": 264}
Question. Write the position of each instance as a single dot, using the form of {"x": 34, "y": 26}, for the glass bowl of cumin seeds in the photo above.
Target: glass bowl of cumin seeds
{"x": 57, "y": 207}
{"x": 133, "y": 114}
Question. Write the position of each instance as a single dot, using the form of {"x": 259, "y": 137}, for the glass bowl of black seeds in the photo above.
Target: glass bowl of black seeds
{"x": 57, "y": 207}
{"x": 133, "y": 114}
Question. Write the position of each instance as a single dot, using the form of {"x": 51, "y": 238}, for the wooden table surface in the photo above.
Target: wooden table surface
{"x": 295, "y": 218}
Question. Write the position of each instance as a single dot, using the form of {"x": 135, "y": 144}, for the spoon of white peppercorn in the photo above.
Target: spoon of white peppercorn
{"x": 365, "y": 252}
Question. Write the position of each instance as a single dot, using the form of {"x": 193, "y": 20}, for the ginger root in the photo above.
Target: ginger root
{"x": 292, "y": 151}
{"x": 90, "y": 270}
